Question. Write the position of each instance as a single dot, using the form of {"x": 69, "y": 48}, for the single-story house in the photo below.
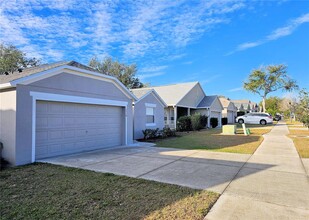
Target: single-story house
{"x": 62, "y": 108}
{"x": 211, "y": 107}
{"x": 148, "y": 111}
{"x": 229, "y": 111}
{"x": 186, "y": 99}
{"x": 245, "y": 106}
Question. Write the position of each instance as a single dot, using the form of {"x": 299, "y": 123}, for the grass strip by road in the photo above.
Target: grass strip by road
{"x": 301, "y": 141}
{"x": 43, "y": 191}
{"x": 212, "y": 140}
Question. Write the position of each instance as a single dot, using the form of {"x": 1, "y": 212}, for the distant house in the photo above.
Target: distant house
{"x": 148, "y": 111}
{"x": 229, "y": 111}
{"x": 245, "y": 106}
{"x": 186, "y": 99}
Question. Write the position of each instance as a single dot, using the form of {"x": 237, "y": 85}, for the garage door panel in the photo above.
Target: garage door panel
{"x": 63, "y": 128}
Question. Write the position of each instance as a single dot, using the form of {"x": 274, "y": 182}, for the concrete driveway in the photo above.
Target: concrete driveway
{"x": 193, "y": 168}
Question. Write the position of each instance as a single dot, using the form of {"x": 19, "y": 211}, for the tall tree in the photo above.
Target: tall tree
{"x": 125, "y": 73}
{"x": 268, "y": 79}
{"x": 303, "y": 107}
{"x": 273, "y": 104}
{"x": 13, "y": 59}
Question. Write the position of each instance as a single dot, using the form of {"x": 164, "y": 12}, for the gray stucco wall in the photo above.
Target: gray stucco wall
{"x": 7, "y": 124}
{"x": 140, "y": 115}
{"x": 65, "y": 84}
{"x": 193, "y": 98}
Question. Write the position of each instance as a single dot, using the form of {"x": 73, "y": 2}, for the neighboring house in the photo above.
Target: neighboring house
{"x": 185, "y": 99}
{"x": 229, "y": 111}
{"x": 211, "y": 107}
{"x": 245, "y": 106}
{"x": 148, "y": 111}
{"x": 62, "y": 108}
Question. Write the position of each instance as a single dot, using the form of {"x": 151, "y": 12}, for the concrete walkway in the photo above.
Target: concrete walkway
{"x": 280, "y": 191}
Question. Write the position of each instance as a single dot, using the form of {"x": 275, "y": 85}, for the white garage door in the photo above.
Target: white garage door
{"x": 64, "y": 128}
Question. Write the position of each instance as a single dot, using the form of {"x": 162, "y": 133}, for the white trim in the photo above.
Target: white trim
{"x": 155, "y": 94}
{"x": 76, "y": 99}
{"x": 150, "y": 105}
{"x": 57, "y": 70}
{"x": 71, "y": 99}
{"x": 5, "y": 85}
{"x": 150, "y": 124}
{"x": 33, "y": 129}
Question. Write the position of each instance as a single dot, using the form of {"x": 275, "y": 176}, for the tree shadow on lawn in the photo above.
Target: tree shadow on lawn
{"x": 48, "y": 191}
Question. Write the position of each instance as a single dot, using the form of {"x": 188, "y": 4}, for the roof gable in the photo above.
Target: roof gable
{"x": 173, "y": 94}
{"x": 209, "y": 101}
{"x": 145, "y": 92}
{"x": 34, "y": 74}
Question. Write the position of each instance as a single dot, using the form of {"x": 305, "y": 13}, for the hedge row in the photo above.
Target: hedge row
{"x": 194, "y": 122}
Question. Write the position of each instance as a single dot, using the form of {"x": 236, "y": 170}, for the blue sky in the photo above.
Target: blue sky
{"x": 214, "y": 42}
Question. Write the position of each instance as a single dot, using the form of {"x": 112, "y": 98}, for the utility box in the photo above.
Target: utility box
{"x": 229, "y": 129}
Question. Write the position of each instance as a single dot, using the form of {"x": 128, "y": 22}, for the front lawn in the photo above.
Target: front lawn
{"x": 212, "y": 140}
{"x": 43, "y": 191}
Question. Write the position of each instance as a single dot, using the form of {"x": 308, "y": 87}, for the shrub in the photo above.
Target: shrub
{"x": 224, "y": 121}
{"x": 167, "y": 132}
{"x": 203, "y": 121}
{"x": 214, "y": 122}
{"x": 150, "y": 133}
{"x": 184, "y": 123}
{"x": 198, "y": 122}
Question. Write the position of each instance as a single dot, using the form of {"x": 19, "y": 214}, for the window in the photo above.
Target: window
{"x": 150, "y": 115}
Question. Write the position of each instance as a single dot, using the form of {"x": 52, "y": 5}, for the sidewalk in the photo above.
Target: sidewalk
{"x": 279, "y": 192}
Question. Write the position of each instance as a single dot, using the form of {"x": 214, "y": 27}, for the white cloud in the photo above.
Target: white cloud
{"x": 235, "y": 89}
{"x": 276, "y": 34}
{"x": 150, "y": 75}
{"x": 134, "y": 29}
{"x": 153, "y": 68}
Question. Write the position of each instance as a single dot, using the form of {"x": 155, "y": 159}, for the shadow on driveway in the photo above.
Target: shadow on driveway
{"x": 192, "y": 168}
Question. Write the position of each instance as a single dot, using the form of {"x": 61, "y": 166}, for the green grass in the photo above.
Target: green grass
{"x": 42, "y": 191}
{"x": 213, "y": 141}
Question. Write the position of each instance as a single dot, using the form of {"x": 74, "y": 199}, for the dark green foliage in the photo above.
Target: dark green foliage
{"x": 156, "y": 133}
{"x": 194, "y": 122}
{"x": 150, "y": 133}
{"x": 124, "y": 73}
{"x": 184, "y": 123}
{"x": 224, "y": 121}
{"x": 169, "y": 132}
{"x": 13, "y": 59}
{"x": 269, "y": 79}
{"x": 214, "y": 122}
{"x": 204, "y": 121}
{"x": 198, "y": 122}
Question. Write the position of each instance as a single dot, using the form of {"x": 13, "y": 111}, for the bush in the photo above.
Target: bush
{"x": 224, "y": 121}
{"x": 198, "y": 122}
{"x": 184, "y": 123}
{"x": 204, "y": 121}
{"x": 150, "y": 133}
{"x": 156, "y": 133}
{"x": 167, "y": 132}
{"x": 214, "y": 122}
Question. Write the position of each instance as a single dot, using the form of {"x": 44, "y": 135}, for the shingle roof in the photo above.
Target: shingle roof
{"x": 224, "y": 101}
{"x": 207, "y": 101}
{"x": 172, "y": 94}
{"x": 41, "y": 68}
{"x": 139, "y": 93}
